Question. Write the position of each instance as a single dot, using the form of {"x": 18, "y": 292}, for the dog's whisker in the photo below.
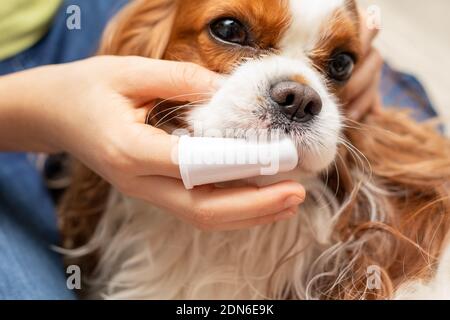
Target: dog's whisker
{"x": 176, "y": 108}
{"x": 180, "y": 117}
{"x": 162, "y": 112}
{"x": 167, "y": 113}
{"x": 180, "y": 96}
{"x": 188, "y": 105}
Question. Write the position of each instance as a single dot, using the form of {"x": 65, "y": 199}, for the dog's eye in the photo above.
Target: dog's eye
{"x": 229, "y": 30}
{"x": 341, "y": 67}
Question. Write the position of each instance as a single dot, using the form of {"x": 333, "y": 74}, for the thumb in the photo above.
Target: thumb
{"x": 161, "y": 79}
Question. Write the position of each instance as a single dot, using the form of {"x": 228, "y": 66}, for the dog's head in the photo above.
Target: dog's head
{"x": 285, "y": 62}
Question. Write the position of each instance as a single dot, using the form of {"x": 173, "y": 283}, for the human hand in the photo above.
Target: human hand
{"x": 92, "y": 109}
{"x": 361, "y": 94}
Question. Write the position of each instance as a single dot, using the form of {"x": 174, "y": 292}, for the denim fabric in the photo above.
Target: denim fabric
{"x": 404, "y": 91}
{"x": 61, "y": 45}
{"x": 29, "y": 269}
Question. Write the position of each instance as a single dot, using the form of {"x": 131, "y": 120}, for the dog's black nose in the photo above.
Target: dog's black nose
{"x": 298, "y": 102}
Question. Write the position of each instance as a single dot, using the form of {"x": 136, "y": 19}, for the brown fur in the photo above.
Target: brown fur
{"x": 190, "y": 41}
{"x": 410, "y": 160}
{"x": 340, "y": 34}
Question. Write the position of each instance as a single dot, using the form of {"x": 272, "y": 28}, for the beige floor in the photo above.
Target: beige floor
{"x": 415, "y": 37}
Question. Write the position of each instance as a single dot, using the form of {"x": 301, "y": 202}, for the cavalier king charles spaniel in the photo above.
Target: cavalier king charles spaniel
{"x": 377, "y": 214}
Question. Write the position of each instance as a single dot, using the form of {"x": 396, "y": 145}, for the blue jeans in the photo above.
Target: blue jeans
{"x": 29, "y": 268}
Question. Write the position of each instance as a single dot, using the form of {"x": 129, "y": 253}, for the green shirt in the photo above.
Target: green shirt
{"x": 23, "y": 23}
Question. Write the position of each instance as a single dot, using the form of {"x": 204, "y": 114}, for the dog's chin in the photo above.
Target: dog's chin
{"x": 315, "y": 162}
{"x": 317, "y": 147}
{"x": 311, "y": 165}
{"x": 313, "y": 158}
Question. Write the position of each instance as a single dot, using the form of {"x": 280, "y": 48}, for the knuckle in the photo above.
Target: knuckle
{"x": 110, "y": 156}
{"x": 117, "y": 158}
{"x": 183, "y": 73}
{"x": 204, "y": 215}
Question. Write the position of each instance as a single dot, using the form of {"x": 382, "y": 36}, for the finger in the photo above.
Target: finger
{"x": 256, "y": 222}
{"x": 365, "y": 103}
{"x": 378, "y": 105}
{"x": 211, "y": 205}
{"x": 180, "y": 81}
{"x": 367, "y": 37}
{"x": 367, "y": 34}
{"x": 236, "y": 204}
{"x": 364, "y": 76}
{"x": 154, "y": 152}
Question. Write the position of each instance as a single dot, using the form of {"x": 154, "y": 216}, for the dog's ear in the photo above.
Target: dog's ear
{"x": 142, "y": 28}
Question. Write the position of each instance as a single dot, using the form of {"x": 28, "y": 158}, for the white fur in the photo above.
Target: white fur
{"x": 245, "y": 96}
{"x": 307, "y": 18}
{"x": 149, "y": 254}
{"x": 438, "y": 288}
{"x": 146, "y": 253}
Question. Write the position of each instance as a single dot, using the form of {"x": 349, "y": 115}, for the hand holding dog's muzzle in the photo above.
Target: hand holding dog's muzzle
{"x": 92, "y": 109}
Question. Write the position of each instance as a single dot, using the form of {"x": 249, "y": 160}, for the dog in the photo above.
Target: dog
{"x": 376, "y": 219}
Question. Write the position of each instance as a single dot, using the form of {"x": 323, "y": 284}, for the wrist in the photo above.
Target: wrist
{"x": 24, "y": 111}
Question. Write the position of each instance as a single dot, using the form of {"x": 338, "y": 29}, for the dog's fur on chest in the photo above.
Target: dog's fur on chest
{"x": 382, "y": 204}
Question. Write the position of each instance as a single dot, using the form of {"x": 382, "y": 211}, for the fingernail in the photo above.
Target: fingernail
{"x": 292, "y": 201}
